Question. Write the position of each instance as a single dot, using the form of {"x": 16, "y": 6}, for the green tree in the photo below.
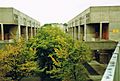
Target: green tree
{"x": 73, "y": 69}
{"x": 46, "y": 42}
{"x": 59, "y": 57}
{"x": 17, "y": 61}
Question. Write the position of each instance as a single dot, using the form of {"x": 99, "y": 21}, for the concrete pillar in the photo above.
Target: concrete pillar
{"x": 78, "y": 32}
{"x": 85, "y": 32}
{"x": 2, "y": 31}
{"x": 19, "y": 27}
{"x": 85, "y": 29}
{"x": 100, "y": 30}
{"x": 35, "y": 29}
{"x": 75, "y": 33}
{"x": 19, "y": 30}
{"x": 26, "y": 32}
{"x": 31, "y": 32}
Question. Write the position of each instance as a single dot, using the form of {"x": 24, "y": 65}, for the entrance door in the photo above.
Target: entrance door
{"x": 105, "y": 34}
{"x": 97, "y": 31}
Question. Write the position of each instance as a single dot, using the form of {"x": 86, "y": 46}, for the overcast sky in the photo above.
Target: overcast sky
{"x": 54, "y": 11}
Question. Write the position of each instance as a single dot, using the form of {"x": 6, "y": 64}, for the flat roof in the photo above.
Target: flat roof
{"x": 90, "y": 8}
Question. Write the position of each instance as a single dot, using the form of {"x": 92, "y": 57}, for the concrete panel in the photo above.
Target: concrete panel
{"x": 6, "y": 16}
{"x": 102, "y": 45}
{"x": 90, "y": 33}
{"x": 114, "y": 16}
{"x": 114, "y": 31}
{"x": 99, "y": 14}
{"x": 96, "y": 15}
{"x": 24, "y": 19}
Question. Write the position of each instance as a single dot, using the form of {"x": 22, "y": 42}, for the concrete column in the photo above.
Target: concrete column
{"x": 75, "y": 33}
{"x": 85, "y": 29}
{"x": 19, "y": 27}
{"x": 67, "y": 30}
{"x": 2, "y": 31}
{"x": 85, "y": 32}
{"x": 78, "y": 32}
{"x": 35, "y": 29}
{"x": 26, "y": 32}
{"x": 19, "y": 30}
{"x": 31, "y": 32}
{"x": 100, "y": 30}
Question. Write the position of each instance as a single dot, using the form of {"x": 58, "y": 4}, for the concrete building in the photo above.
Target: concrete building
{"x": 99, "y": 27}
{"x": 96, "y": 23}
{"x": 15, "y": 24}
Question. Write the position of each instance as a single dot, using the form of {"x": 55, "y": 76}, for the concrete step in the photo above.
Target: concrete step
{"x": 95, "y": 77}
{"x": 99, "y": 68}
{"x": 90, "y": 69}
{"x": 95, "y": 69}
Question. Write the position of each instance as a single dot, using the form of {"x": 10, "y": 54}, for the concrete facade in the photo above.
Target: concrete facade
{"x": 97, "y": 23}
{"x": 15, "y": 24}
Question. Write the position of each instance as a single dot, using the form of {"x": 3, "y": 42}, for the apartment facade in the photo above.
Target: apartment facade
{"x": 15, "y": 24}
{"x": 97, "y": 23}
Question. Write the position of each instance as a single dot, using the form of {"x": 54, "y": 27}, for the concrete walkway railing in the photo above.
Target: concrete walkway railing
{"x": 112, "y": 72}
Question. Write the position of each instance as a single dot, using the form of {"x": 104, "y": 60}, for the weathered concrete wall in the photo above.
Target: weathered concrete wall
{"x": 6, "y": 16}
{"x": 102, "y": 45}
{"x": 90, "y": 33}
{"x": 14, "y": 24}
{"x": 98, "y": 15}
{"x": 114, "y": 31}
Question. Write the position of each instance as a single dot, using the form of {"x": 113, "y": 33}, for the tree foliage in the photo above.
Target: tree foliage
{"x": 17, "y": 61}
{"x": 73, "y": 69}
{"x": 47, "y": 41}
{"x": 59, "y": 57}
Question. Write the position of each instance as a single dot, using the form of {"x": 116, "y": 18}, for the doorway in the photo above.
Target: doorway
{"x": 105, "y": 29}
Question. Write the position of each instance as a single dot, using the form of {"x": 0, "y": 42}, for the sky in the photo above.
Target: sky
{"x": 55, "y": 11}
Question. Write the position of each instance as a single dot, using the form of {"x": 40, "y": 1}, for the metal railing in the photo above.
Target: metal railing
{"x": 112, "y": 72}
